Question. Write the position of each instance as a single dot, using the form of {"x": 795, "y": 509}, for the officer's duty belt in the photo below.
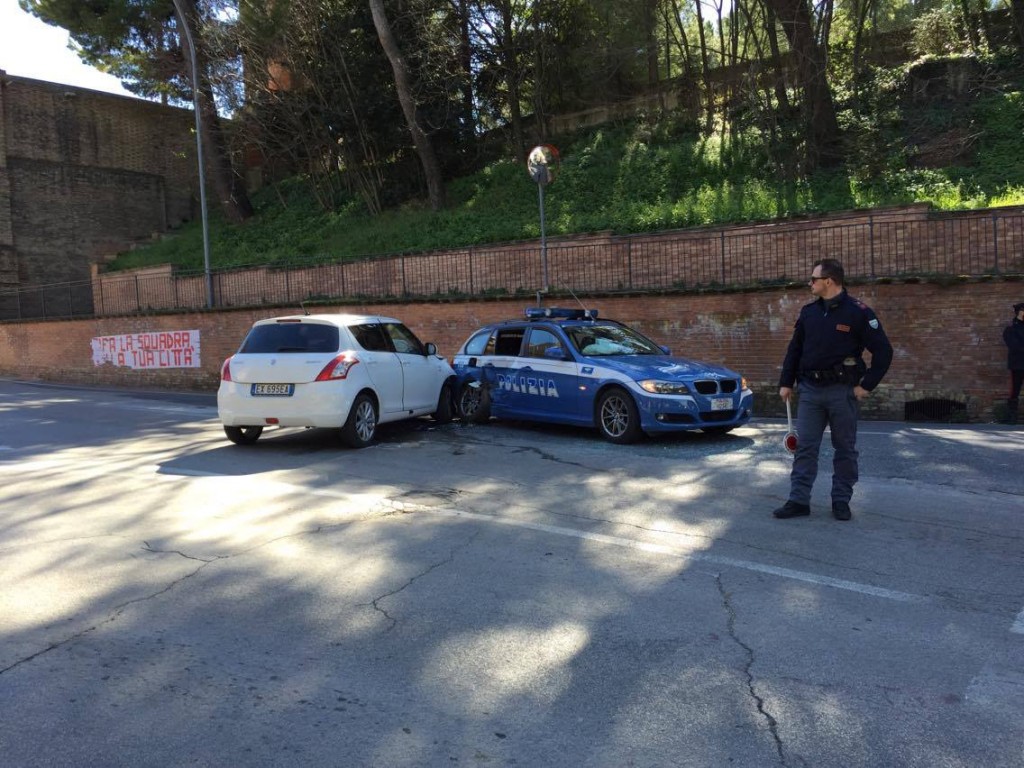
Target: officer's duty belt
{"x": 824, "y": 377}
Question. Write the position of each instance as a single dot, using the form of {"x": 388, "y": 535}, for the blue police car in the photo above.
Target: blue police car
{"x": 568, "y": 367}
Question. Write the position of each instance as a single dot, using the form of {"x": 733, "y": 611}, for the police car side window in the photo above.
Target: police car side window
{"x": 477, "y": 344}
{"x": 509, "y": 341}
{"x": 540, "y": 341}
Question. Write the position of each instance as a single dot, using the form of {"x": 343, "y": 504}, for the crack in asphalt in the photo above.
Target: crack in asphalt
{"x": 773, "y": 726}
{"x": 518, "y": 448}
{"x": 387, "y": 508}
{"x": 148, "y": 548}
{"x": 550, "y": 457}
{"x": 119, "y": 609}
{"x": 114, "y": 615}
{"x": 376, "y": 602}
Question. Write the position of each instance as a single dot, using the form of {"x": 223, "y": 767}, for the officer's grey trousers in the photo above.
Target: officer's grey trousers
{"x": 836, "y": 407}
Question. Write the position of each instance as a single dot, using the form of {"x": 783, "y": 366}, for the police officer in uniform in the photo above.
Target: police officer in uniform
{"x": 824, "y": 360}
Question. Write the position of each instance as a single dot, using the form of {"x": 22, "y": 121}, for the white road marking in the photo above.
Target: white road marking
{"x": 181, "y": 472}
{"x": 1018, "y": 625}
{"x": 997, "y": 686}
{"x": 202, "y": 411}
{"x": 642, "y": 546}
{"x": 31, "y": 465}
{"x": 619, "y": 541}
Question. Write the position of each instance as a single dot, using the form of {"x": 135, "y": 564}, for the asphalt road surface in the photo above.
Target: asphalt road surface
{"x": 502, "y": 594}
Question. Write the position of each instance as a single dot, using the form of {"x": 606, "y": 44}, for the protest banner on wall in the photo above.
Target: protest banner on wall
{"x": 154, "y": 349}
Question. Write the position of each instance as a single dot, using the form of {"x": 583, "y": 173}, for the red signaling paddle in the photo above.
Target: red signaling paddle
{"x": 790, "y": 439}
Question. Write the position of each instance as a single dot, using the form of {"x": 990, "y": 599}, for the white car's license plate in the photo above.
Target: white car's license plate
{"x": 272, "y": 390}
{"x": 721, "y": 403}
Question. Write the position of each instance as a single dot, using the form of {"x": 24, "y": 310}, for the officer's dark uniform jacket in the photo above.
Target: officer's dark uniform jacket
{"x": 1013, "y": 335}
{"x": 828, "y": 340}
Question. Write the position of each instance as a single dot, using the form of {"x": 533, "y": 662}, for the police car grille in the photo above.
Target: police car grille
{"x": 711, "y": 387}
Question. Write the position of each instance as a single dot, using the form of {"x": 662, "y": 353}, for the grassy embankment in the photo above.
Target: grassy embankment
{"x": 642, "y": 176}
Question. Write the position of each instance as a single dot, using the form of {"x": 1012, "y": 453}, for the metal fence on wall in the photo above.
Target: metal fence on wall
{"x": 875, "y": 246}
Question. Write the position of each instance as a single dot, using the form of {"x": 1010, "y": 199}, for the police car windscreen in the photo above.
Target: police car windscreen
{"x": 597, "y": 340}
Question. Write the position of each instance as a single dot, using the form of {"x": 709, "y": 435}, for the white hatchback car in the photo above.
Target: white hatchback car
{"x": 351, "y": 372}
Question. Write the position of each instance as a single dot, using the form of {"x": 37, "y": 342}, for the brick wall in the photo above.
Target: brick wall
{"x": 947, "y": 339}
{"x": 83, "y": 175}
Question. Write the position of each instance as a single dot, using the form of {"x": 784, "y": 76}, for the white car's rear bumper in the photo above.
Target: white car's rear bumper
{"x": 317, "y": 404}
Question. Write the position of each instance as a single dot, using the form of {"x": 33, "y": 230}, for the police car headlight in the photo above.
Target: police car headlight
{"x": 656, "y": 387}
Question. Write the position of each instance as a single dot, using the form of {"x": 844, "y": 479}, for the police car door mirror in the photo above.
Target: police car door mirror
{"x": 431, "y": 349}
{"x": 555, "y": 353}
{"x": 665, "y": 349}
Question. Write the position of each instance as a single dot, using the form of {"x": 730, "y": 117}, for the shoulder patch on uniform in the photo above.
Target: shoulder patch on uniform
{"x": 873, "y": 322}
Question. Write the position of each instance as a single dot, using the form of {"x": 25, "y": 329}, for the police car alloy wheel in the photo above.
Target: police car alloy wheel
{"x": 243, "y": 435}
{"x": 362, "y": 423}
{"x": 617, "y": 416}
{"x": 474, "y": 403}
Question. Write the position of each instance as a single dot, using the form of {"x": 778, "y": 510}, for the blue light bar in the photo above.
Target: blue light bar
{"x": 561, "y": 313}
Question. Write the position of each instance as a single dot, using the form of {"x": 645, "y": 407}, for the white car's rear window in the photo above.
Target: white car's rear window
{"x": 291, "y": 337}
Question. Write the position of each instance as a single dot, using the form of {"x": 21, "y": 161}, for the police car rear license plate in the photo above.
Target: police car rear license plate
{"x": 272, "y": 390}
{"x": 721, "y": 404}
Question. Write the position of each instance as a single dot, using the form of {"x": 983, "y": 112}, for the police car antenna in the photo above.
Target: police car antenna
{"x": 302, "y": 306}
{"x": 575, "y": 297}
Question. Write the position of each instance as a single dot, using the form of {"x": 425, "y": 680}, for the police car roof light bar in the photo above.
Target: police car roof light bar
{"x": 534, "y": 313}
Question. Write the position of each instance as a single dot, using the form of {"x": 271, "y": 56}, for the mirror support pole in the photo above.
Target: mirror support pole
{"x": 543, "y": 238}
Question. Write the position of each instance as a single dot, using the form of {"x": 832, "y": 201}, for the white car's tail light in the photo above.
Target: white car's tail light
{"x": 338, "y": 368}
{"x": 225, "y": 370}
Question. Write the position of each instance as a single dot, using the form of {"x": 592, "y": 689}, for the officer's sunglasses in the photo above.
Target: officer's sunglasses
{"x": 814, "y": 279}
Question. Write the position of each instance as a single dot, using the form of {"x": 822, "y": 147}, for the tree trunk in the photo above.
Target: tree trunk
{"x": 819, "y": 110}
{"x": 227, "y": 184}
{"x": 860, "y": 20}
{"x": 969, "y": 28}
{"x": 403, "y": 86}
{"x": 510, "y": 62}
{"x": 650, "y": 20}
{"x": 709, "y": 95}
{"x": 679, "y": 35}
{"x": 778, "y": 76}
{"x": 466, "y": 62}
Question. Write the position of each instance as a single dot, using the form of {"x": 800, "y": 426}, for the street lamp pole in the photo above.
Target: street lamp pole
{"x": 199, "y": 151}
{"x": 540, "y": 164}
